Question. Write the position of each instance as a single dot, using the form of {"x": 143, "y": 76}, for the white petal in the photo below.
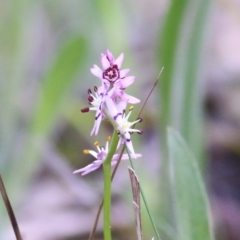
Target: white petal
{"x": 110, "y": 56}
{"x": 96, "y": 71}
{"x": 105, "y": 62}
{"x": 83, "y": 169}
{"x": 93, "y": 108}
{"x": 125, "y": 97}
{"x": 119, "y": 143}
{"x": 111, "y": 106}
{"x": 137, "y": 155}
{"x": 103, "y": 88}
{"x": 128, "y": 142}
{"x": 124, "y": 72}
{"x": 125, "y": 156}
{"x": 97, "y": 124}
{"x": 121, "y": 106}
{"x": 125, "y": 82}
{"x": 119, "y": 60}
{"x": 89, "y": 168}
{"x": 93, "y": 153}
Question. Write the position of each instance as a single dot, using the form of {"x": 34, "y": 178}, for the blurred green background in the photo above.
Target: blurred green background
{"x": 46, "y": 51}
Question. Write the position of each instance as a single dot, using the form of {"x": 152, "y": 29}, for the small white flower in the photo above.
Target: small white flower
{"x": 100, "y": 156}
{"x": 123, "y": 126}
{"x": 97, "y": 100}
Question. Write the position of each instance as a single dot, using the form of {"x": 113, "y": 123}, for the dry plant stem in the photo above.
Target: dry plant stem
{"x": 92, "y": 233}
{"x": 144, "y": 199}
{"x": 9, "y": 210}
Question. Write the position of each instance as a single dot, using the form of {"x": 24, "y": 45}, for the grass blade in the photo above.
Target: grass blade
{"x": 191, "y": 207}
{"x": 57, "y": 83}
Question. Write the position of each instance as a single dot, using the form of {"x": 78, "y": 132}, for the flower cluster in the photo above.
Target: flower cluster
{"x": 109, "y": 100}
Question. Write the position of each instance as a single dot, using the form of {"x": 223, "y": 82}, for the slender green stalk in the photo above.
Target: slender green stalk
{"x": 144, "y": 199}
{"x": 107, "y": 187}
{"x": 107, "y": 201}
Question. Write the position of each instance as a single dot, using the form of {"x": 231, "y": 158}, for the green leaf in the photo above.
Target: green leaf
{"x": 182, "y": 83}
{"x": 190, "y": 203}
{"x": 58, "y": 82}
{"x": 181, "y": 52}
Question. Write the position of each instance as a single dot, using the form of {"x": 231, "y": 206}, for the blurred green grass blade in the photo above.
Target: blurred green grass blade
{"x": 193, "y": 125}
{"x": 58, "y": 82}
{"x": 168, "y": 49}
{"x": 181, "y": 50}
{"x": 12, "y": 70}
{"x": 56, "y": 87}
{"x": 191, "y": 207}
{"x": 114, "y": 27}
{"x": 181, "y": 86}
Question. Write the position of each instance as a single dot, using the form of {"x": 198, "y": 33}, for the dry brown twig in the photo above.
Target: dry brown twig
{"x": 10, "y": 210}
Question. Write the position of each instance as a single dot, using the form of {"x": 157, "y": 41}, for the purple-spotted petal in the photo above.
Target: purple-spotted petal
{"x": 128, "y": 143}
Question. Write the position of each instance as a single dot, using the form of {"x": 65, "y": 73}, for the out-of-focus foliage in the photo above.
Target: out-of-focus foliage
{"x": 49, "y": 105}
{"x": 189, "y": 198}
{"x": 46, "y": 51}
{"x": 181, "y": 54}
{"x": 181, "y": 90}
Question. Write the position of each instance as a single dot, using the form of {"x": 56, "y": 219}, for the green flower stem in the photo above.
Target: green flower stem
{"x": 107, "y": 187}
{"x": 144, "y": 199}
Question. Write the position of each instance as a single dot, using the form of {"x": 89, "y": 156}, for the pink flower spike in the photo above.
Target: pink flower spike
{"x": 111, "y": 68}
{"x": 114, "y": 78}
